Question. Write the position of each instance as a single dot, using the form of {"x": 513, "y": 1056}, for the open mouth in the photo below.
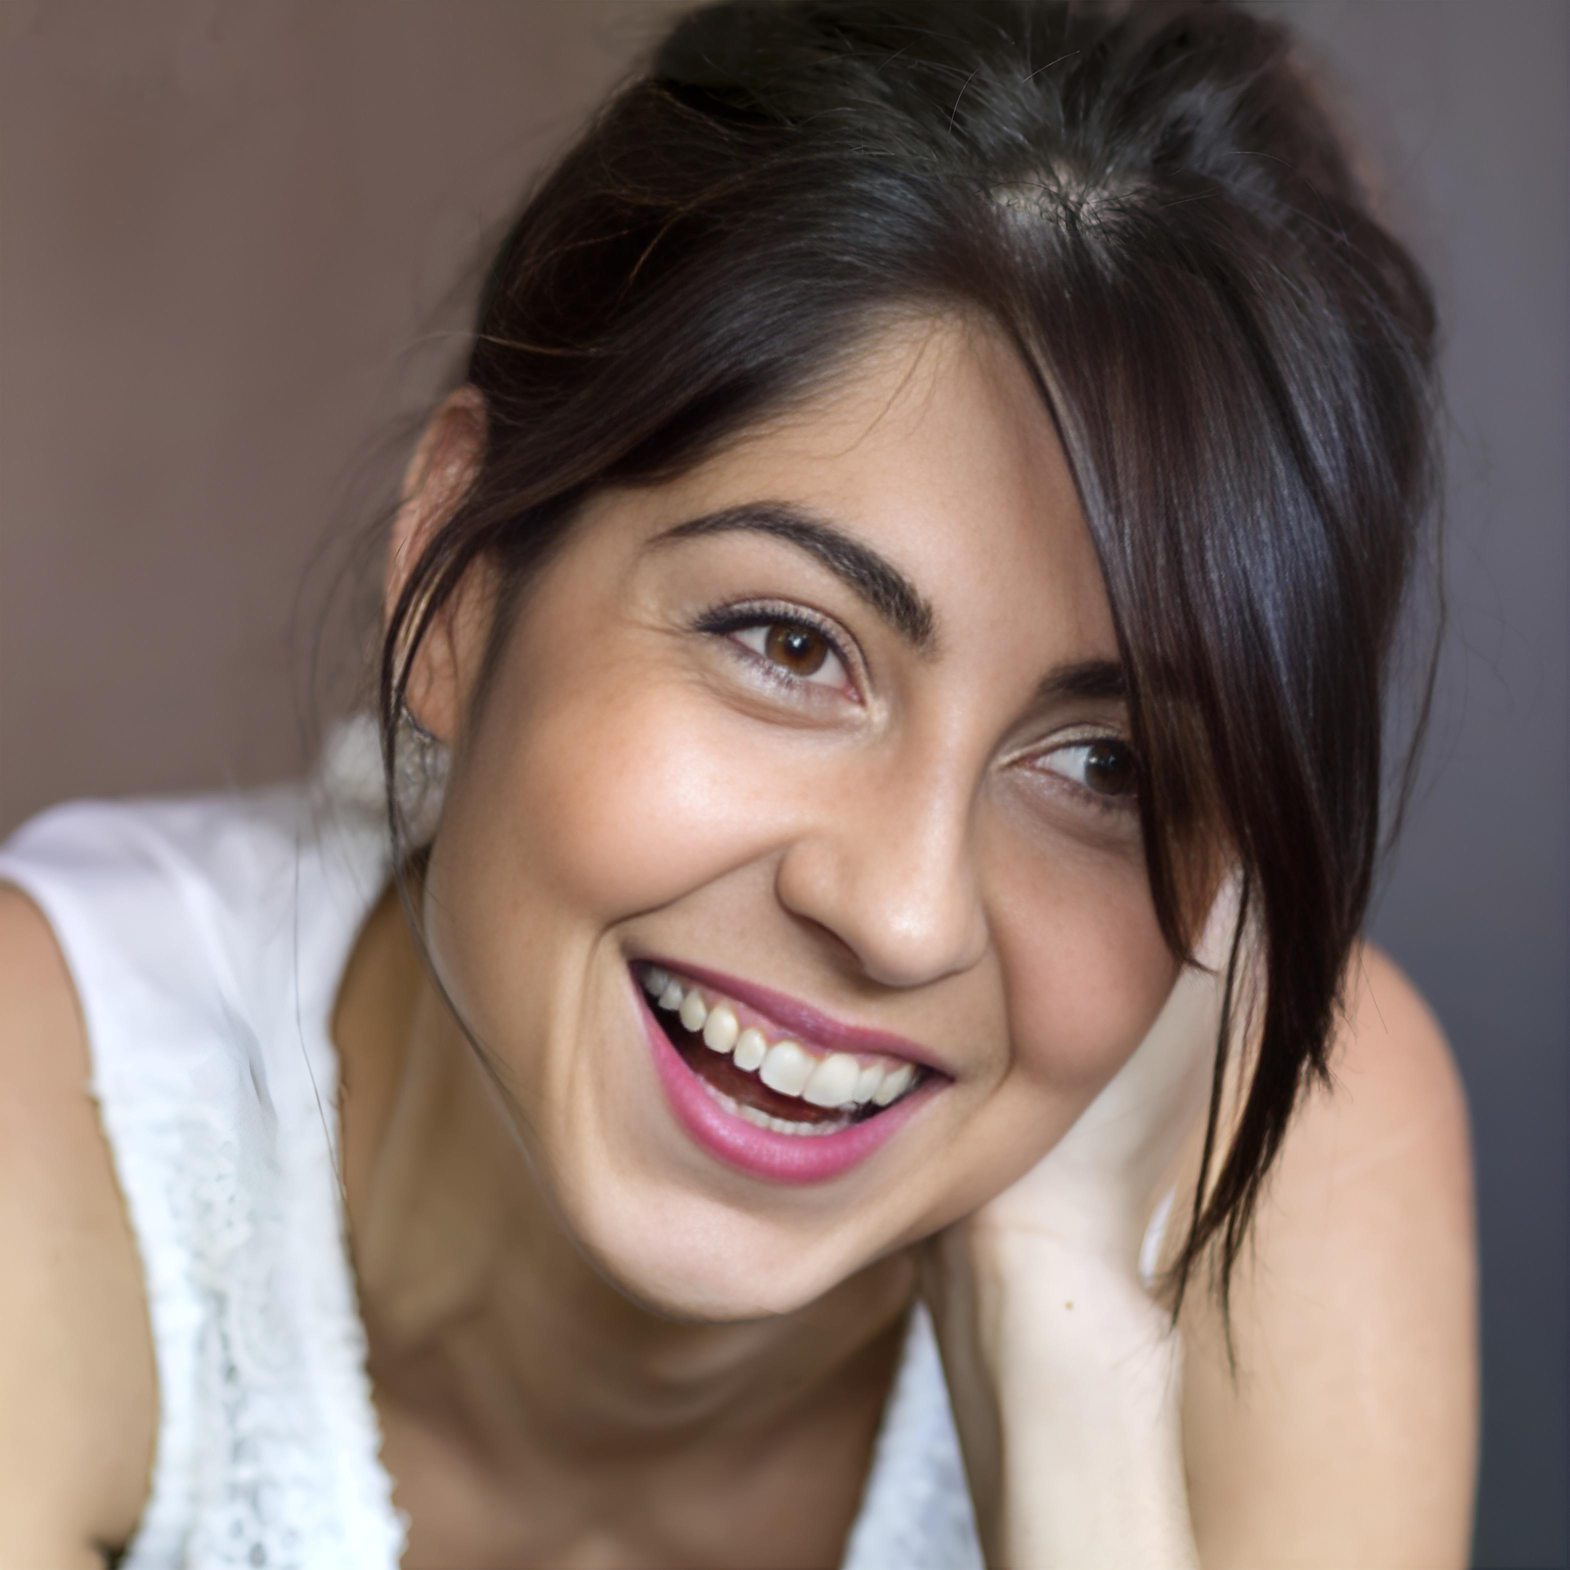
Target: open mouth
{"x": 765, "y": 1077}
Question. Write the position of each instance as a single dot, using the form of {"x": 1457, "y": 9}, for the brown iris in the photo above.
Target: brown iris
{"x": 1109, "y": 768}
{"x": 797, "y": 649}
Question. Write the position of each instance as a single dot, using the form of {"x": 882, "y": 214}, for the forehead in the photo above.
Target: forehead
{"x": 934, "y": 446}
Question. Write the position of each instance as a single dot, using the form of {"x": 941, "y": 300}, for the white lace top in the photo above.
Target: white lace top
{"x": 207, "y": 938}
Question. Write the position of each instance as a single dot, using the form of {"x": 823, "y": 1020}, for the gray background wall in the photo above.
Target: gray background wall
{"x": 230, "y": 232}
{"x": 1465, "y": 100}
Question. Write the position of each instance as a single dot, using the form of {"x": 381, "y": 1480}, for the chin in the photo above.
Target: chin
{"x": 689, "y": 1210}
{"x": 695, "y": 1259}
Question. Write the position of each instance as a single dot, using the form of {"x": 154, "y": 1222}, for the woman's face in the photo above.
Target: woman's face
{"x": 823, "y": 743}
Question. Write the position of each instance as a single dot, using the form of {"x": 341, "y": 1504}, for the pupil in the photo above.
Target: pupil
{"x": 799, "y": 649}
{"x": 1109, "y": 768}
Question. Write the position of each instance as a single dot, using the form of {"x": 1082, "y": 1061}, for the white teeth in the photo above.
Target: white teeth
{"x": 765, "y": 1120}
{"x": 837, "y": 1080}
{"x": 786, "y": 1068}
{"x": 720, "y": 1029}
{"x": 894, "y": 1084}
{"x": 752, "y": 1047}
{"x": 833, "y": 1082}
{"x": 867, "y": 1083}
{"x": 693, "y": 1010}
{"x": 785, "y": 1126}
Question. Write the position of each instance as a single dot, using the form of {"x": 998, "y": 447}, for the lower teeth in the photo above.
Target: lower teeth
{"x": 773, "y": 1124}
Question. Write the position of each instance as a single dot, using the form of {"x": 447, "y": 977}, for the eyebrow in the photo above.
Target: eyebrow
{"x": 872, "y": 577}
{"x": 1086, "y": 681}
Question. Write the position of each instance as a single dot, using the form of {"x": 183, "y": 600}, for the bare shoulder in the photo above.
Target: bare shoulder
{"x": 1346, "y": 1434}
{"x": 78, "y": 1392}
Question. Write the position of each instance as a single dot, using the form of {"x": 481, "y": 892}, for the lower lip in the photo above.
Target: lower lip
{"x": 760, "y": 1152}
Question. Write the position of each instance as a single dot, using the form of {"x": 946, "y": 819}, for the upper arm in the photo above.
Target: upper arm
{"x": 78, "y": 1390}
{"x": 1347, "y": 1434}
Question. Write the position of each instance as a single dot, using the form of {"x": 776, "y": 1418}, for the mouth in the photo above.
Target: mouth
{"x": 760, "y": 1096}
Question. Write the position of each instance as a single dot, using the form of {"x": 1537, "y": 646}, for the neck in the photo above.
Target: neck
{"x": 479, "y": 1308}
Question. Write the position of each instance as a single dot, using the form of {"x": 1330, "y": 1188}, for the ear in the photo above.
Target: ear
{"x": 438, "y": 477}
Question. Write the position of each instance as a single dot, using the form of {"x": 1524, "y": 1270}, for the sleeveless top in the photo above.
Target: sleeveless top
{"x": 207, "y": 938}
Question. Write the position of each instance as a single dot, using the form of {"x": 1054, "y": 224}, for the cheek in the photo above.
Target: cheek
{"x": 1086, "y": 968}
{"x": 601, "y": 801}
{"x": 1086, "y": 973}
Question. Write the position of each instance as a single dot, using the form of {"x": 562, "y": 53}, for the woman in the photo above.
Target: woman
{"x": 880, "y": 714}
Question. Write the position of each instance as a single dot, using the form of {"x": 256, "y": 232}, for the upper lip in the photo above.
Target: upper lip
{"x": 801, "y": 1020}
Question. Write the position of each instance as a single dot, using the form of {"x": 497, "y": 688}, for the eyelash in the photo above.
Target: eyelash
{"x": 727, "y": 620}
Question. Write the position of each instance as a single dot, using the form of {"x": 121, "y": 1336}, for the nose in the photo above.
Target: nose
{"x": 888, "y": 868}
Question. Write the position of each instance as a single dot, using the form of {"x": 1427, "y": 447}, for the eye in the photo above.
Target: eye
{"x": 789, "y": 650}
{"x": 1101, "y": 765}
{"x": 803, "y": 651}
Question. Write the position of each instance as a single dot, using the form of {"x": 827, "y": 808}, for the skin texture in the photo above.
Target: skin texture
{"x": 592, "y": 1344}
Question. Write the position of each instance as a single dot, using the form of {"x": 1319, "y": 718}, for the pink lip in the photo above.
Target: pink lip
{"x": 793, "y": 1018}
{"x": 760, "y": 1152}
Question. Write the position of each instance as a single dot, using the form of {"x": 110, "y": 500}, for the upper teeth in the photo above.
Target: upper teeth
{"x": 836, "y": 1080}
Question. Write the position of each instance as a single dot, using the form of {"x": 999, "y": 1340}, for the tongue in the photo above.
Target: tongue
{"x": 717, "y": 1070}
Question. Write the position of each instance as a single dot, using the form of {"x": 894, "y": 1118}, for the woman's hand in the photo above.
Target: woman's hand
{"x": 1064, "y": 1372}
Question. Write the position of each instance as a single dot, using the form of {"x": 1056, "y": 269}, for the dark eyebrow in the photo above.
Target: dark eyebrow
{"x": 1089, "y": 681}
{"x": 873, "y": 577}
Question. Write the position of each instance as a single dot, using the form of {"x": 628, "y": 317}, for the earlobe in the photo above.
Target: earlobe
{"x": 439, "y": 476}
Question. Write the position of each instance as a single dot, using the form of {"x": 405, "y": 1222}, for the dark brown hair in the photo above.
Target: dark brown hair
{"x": 1237, "y": 356}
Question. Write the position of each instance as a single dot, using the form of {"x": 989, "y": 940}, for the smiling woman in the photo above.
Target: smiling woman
{"x": 949, "y": 616}
{"x": 880, "y": 758}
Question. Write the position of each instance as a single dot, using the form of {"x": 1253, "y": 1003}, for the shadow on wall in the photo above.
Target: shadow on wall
{"x": 233, "y": 234}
